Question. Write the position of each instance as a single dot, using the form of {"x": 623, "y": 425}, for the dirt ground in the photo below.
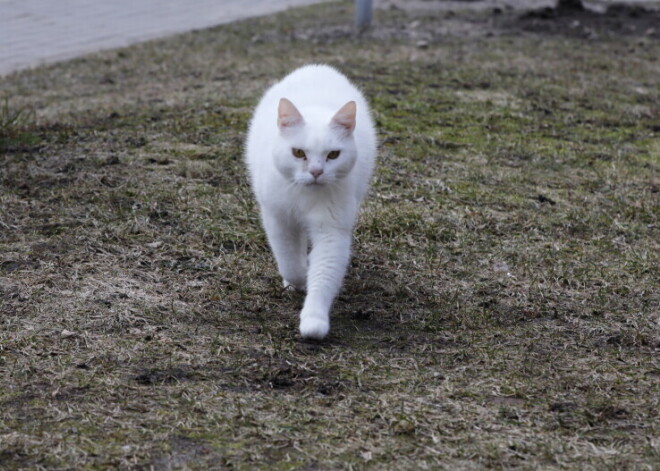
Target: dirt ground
{"x": 501, "y": 309}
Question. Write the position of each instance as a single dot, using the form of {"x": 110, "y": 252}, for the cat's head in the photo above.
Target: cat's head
{"x": 317, "y": 149}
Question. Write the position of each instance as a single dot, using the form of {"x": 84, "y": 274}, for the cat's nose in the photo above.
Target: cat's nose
{"x": 316, "y": 172}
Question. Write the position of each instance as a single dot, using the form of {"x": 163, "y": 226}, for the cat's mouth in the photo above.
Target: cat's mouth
{"x": 312, "y": 182}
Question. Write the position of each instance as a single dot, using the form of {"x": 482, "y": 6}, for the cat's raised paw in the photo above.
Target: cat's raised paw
{"x": 293, "y": 286}
{"x": 314, "y": 328}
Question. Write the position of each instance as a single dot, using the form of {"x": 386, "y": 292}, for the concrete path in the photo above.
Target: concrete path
{"x": 34, "y": 32}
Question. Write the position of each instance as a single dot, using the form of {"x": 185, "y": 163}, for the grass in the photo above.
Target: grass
{"x": 14, "y": 125}
{"x": 501, "y": 311}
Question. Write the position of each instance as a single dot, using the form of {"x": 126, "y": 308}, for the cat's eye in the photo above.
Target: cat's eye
{"x": 298, "y": 153}
{"x": 332, "y": 155}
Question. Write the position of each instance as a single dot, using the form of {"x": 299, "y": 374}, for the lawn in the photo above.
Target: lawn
{"x": 502, "y": 306}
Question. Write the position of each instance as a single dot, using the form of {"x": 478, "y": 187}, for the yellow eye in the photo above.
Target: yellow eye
{"x": 299, "y": 153}
{"x": 333, "y": 154}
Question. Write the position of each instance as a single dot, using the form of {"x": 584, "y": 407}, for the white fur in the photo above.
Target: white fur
{"x": 298, "y": 211}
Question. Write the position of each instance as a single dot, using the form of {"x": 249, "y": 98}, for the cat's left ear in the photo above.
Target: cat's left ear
{"x": 344, "y": 119}
{"x": 288, "y": 116}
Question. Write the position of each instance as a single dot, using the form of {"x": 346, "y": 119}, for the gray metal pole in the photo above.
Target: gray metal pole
{"x": 363, "y": 13}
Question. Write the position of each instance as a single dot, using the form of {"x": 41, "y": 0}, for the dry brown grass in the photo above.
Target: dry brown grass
{"x": 501, "y": 310}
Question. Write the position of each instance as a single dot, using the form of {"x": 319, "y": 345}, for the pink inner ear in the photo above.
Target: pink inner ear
{"x": 288, "y": 115}
{"x": 345, "y": 117}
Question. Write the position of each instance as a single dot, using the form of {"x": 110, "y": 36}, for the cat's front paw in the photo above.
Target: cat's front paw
{"x": 314, "y": 327}
{"x": 293, "y": 286}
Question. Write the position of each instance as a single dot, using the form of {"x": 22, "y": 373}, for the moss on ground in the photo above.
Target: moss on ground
{"x": 501, "y": 310}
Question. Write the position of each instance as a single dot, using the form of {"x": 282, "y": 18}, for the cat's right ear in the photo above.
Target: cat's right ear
{"x": 344, "y": 119}
{"x": 288, "y": 116}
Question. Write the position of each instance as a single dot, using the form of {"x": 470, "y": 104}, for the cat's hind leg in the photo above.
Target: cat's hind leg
{"x": 289, "y": 245}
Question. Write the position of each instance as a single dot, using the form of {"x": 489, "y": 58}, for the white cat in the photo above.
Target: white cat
{"x": 310, "y": 152}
